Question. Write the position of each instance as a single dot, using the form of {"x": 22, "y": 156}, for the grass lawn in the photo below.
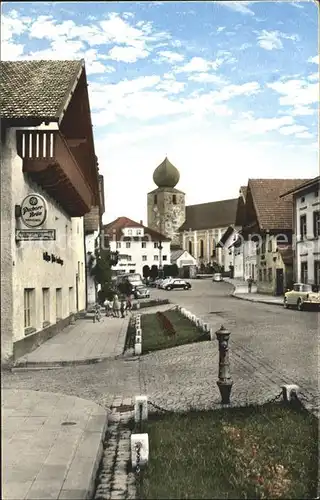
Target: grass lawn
{"x": 154, "y": 336}
{"x": 241, "y": 453}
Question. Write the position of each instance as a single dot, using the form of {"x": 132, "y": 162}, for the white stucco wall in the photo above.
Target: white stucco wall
{"x": 90, "y": 247}
{"x": 308, "y": 249}
{"x": 22, "y": 263}
{"x": 186, "y": 259}
{"x": 136, "y": 252}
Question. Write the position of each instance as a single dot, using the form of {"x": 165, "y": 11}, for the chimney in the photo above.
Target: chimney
{"x": 141, "y": 222}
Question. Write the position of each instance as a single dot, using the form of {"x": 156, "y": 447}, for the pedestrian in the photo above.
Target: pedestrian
{"x": 250, "y": 281}
{"x": 108, "y": 307}
{"x": 116, "y": 306}
{"x": 122, "y": 307}
{"x": 97, "y": 314}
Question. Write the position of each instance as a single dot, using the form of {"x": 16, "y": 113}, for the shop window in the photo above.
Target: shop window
{"x": 29, "y": 304}
{"x": 58, "y": 303}
{"x": 45, "y": 305}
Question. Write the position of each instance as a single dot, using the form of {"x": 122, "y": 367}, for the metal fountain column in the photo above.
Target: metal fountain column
{"x": 225, "y": 382}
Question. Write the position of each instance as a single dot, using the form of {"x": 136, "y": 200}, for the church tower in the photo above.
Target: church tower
{"x": 166, "y": 204}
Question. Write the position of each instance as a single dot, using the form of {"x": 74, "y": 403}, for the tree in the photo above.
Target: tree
{"x": 101, "y": 272}
{"x": 174, "y": 270}
{"x": 154, "y": 272}
{"x": 146, "y": 271}
{"x": 166, "y": 270}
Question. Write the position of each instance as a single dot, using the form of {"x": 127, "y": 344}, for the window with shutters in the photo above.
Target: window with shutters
{"x": 303, "y": 226}
{"x": 304, "y": 272}
{"x": 316, "y": 224}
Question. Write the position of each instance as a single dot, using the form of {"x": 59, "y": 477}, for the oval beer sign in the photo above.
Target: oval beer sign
{"x": 33, "y": 210}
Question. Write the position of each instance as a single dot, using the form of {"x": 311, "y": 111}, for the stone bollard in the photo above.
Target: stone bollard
{"x": 225, "y": 382}
{"x": 137, "y": 349}
{"x": 139, "y": 442}
{"x": 141, "y": 408}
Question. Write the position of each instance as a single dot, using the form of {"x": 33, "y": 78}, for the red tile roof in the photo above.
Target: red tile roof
{"x": 273, "y": 212}
{"x": 116, "y": 227}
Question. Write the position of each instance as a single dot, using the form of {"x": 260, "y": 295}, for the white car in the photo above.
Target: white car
{"x": 301, "y": 296}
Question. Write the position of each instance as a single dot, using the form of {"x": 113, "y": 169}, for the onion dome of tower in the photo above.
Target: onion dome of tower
{"x": 166, "y": 175}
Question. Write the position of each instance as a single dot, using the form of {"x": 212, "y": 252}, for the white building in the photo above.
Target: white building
{"x": 306, "y": 224}
{"x": 45, "y": 191}
{"x": 92, "y": 227}
{"x": 204, "y": 227}
{"x": 137, "y": 246}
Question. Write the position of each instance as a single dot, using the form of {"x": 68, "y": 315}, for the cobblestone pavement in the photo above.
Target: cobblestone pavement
{"x": 268, "y": 346}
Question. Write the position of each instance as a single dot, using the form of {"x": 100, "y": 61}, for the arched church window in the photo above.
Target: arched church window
{"x": 213, "y": 248}
{"x": 201, "y": 249}
{"x": 190, "y": 247}
{"x": 174, "y": 199}
{"x": 155, "y": 201}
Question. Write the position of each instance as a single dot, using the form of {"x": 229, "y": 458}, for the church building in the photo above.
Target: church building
{"x": 195, "y": 228}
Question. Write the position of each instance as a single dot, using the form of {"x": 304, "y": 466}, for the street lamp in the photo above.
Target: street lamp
{"x": 160, "y": 247}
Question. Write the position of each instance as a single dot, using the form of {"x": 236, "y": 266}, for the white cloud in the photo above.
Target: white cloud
{"x": 220, "y": 29}
{"x": 261, "y": 125}
{"x": 302, "y": 111}
{"x": 314, "y": 77}
{"x": 241, "y": 7}
{"x": 169, "y": 56}
{"x": 272, "y": 40}
{"x": 314, "y": 60}
{"x": 304, "y": 135}
{"x": 198, "y": 64}
{"x": 292, "y": 129}
{"x": 127, "y": 54}
{"x": 296, "y": 92}
{"x": 171, "y": 87}
{"x": 206, "y": 78}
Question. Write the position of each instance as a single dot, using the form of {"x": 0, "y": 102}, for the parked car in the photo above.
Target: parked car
{"x": 301, "y": 296}
{"x": 141, "y": 292}
{"x": 217, "y": 277}
{"x": 177, "y": 283}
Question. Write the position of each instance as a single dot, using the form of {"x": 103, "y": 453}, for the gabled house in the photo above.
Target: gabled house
{"x": 137, "y": 246}
{"x": 306, "y": 227}
{"x": 268, "y": 225}
{"x": 49, "y": 181}
{"x": 232, "y": 242}
{"x": 186, "y": 263}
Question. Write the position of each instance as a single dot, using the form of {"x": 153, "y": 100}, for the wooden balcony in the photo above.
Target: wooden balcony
{"x": 92, "y": 220}
{"x": 48, "y": 161}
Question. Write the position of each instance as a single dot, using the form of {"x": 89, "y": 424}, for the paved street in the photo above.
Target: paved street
{"x": 269, "y": 346}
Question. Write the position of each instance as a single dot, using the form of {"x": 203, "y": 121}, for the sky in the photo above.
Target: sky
{"x": 227, "y": 90}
